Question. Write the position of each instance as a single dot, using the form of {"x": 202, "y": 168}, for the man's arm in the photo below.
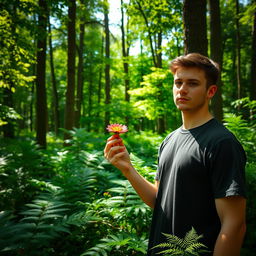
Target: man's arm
{"x": 231, "y": 211}
{"x": 119, "y": 157}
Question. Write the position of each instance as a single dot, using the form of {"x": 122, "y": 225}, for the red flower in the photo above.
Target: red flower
{"x": 117, "y": 128}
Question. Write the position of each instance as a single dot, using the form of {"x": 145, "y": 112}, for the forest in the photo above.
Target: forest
{"x": 68, "y": 68}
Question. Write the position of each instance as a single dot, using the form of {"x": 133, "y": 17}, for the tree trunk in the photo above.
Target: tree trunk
{"x": 80, "y": 72}
{"x": 41, "y": 101}
{"x": 33, "y": 87}
{"x": 90, "y": 92}
{"x": 100, "y": 84}
{"x": 125, "y": 52}
{"x": 253, "y": 60}
{"x": 31, "y": 105}
{"x": 233, "y": 73}
{"x": 157, "y": 59}
{"x": 149, "y": 33}
{"x": 161, "y": 119}
{"x": 216, "y": 54}
{"x": 70, "y": 93}
{"x": 54, "y": 85}
{"x": 8, "y": 128}
{"x": 238, "y": 53}
{"x": 107, "y": 68}
{"x": 194, "y": 18}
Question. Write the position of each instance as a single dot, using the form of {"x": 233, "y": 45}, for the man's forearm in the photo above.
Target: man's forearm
{"x": 145, "y": 189}
{"x": 229, "y": 242}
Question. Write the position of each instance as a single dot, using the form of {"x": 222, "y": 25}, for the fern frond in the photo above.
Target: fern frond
{"x": 188, "y": 245}
{"x": 164, "y": 245}
{"x": 191, "y": 238}
{"x": 174, "y": 241}
{"x": 196, "y": 249}
{"x": 172, "y": 252}
{"x": 113, "y": 243}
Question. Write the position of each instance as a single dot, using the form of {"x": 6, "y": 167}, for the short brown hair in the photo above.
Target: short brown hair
{"x": 211, "y": 68}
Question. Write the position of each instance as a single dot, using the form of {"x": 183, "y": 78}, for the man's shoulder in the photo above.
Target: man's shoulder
{"x": 217, "y": 136}
{"x": 218, "y": 132}
{"x": 214, "y": 131}
{"x": 168, "y": 138}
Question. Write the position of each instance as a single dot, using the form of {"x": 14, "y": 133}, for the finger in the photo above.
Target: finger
{"x": 116, "y": 158}
{"x": 109, "y": 144}
{"x": 113, "y": 151}
{"x": 112, "y": 143}
{"x": 113, "y": 137}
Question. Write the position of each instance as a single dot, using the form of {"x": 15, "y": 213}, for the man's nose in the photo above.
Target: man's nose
{"x": 183, "y": 89}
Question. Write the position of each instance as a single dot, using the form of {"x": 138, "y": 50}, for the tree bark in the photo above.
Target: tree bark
{"x": 41, "y": 101}
{"x": 80, "y": 72}
{"x": 70, "y": 93}
{"x": 107, "y": 67}
{"x": 238, "y": 53}
{"x": 253, "y": 60}
{"x": 216, "y": 54}
{"x": 125, "y": 52}
{"x": 54, "y": 85}
{"x": 90, "y": 94}
{"x": 161, "y": 119}
{"x": 194, "y": 18}
{"x": 99, "y": 91}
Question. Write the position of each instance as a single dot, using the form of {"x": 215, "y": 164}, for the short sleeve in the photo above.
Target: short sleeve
{"x": 227, "y": 169}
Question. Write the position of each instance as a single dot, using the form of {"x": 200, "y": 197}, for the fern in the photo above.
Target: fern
{"x": 82, "y": 218}
{"x": 42, "y": 222}
{"x": 123, "y": 243}
{"x": 187, "y": 246}
{"x": 244, "y": 131}
{"x": 128, "y": 207}
{"x": 77, "y": 185}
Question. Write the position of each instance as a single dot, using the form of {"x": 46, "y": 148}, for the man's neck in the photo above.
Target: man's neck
{"x": 192, "y": 120}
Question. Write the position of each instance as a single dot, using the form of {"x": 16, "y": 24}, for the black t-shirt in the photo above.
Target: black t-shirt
{"x": 194, "y": 167}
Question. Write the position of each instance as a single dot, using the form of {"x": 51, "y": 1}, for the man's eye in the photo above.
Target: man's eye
{"x": 193, "y": 84}
{"x": 178, "y": 83}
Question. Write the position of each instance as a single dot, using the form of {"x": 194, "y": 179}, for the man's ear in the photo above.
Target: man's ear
{"x": 211, "y": 91}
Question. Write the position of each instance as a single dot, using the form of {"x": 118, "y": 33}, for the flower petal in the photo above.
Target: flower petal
{"x": 117, "y": 128}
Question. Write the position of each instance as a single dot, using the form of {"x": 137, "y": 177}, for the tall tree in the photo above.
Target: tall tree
{"x": 194, "y": 18}
{"x": 69, "y": 121}
{"x": 54, "y": 83}
{"x": 100, "y": 73}
{"x": 216, "y": 53}
{"x": 238, "y": 52}
{"x": 8, "y": 128}
{"x": 152, "y": 13}
{"x": 107, "y": 63}
{"x": 253, "y": 60}
{"x": 125, "y": 53}
{"x": 16, "y": 55}
{"x": 90, "y": 95}
{"x": 80, "y": 71}
{"x": 41, "y": 101}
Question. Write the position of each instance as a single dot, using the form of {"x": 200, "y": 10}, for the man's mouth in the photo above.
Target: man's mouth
{"x": 182, "y": 99}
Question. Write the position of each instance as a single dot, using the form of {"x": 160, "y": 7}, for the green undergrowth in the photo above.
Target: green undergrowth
{"x": 71, "y": 201}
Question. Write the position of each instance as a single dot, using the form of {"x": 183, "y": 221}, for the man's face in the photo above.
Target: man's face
{"x": 189, "y": 89}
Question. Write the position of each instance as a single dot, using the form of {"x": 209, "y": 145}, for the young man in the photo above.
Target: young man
{"x": 200, "y": 177}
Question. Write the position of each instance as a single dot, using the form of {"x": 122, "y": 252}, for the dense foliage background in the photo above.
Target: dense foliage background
{"x": 67, "y": 69}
